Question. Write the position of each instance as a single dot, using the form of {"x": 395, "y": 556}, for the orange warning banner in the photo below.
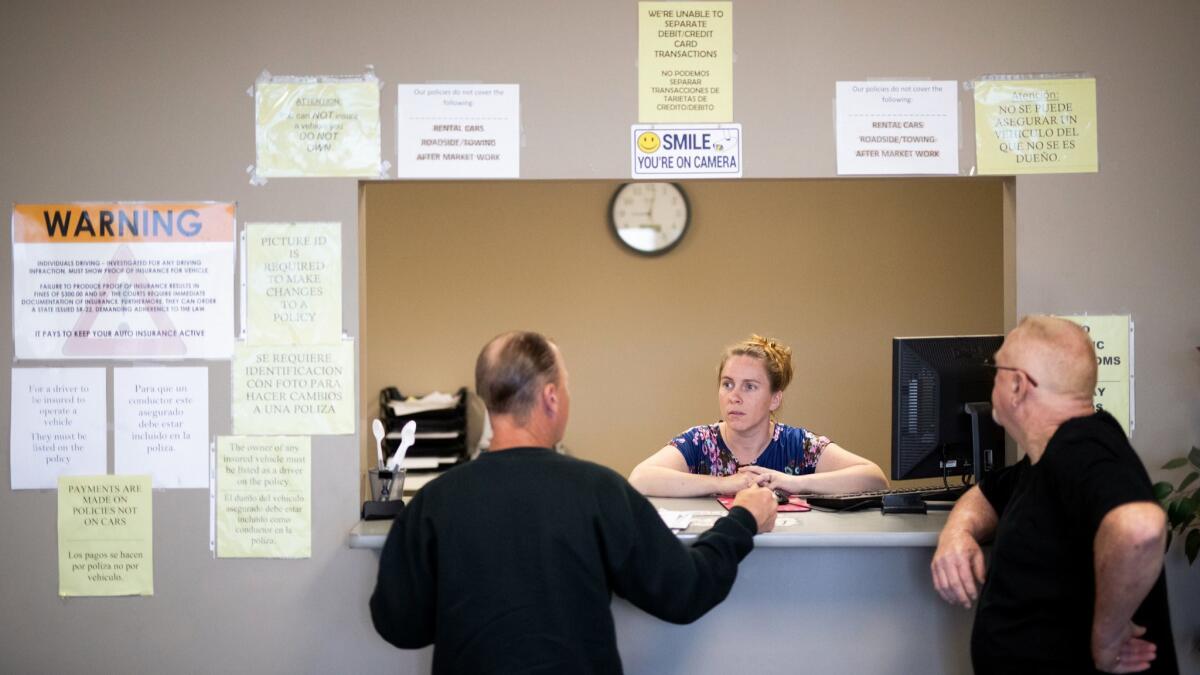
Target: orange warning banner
{"x": 126, "y": 222}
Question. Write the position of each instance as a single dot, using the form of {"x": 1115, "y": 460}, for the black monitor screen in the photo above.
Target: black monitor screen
{"x": 936, "y": 383}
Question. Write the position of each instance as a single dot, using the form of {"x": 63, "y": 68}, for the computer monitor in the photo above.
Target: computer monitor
{"x": 941, "y": 414}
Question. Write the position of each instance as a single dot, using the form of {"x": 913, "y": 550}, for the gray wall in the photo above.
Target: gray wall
{"x": 146, "y": 100}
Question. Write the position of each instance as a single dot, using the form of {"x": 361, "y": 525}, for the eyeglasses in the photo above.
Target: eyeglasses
{"x": 991, "y": 363}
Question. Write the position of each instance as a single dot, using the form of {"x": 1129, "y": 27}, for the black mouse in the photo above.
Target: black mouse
{"x": 780, "y": 496}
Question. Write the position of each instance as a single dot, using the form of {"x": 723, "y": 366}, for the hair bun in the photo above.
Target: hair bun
{"x": 778, "y": 358}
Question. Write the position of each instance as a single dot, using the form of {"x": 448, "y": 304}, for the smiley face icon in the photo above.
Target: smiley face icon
{"x": 648, "y": 142}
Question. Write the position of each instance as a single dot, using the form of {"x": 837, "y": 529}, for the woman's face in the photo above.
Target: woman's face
{"x": 744, "y": 394}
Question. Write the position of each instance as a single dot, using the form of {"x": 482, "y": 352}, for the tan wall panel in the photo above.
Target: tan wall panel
{"x": 833, "y": 268}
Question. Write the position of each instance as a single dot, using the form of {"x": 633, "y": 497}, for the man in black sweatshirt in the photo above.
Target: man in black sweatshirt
{"x": 507, "y": 564}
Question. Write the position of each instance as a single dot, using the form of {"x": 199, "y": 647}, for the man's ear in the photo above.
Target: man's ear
{"x": 550, "y": 398}
{"x": 1020, "y": 388}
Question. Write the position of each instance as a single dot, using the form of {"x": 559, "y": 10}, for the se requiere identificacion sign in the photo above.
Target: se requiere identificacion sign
{"x": 123, "y": 280}
{"x": 689, "y": 151}
{"x": 317, "y": 129}
{"x": 897, "y": 127}
{"x": 1036, "y": 126}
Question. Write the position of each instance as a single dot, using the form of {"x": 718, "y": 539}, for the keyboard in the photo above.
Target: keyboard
{"x": 857, "y": 501}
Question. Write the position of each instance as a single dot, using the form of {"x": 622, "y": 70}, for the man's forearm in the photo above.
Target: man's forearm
{"x": 972, "y": 514}
{"x": 1129, "y": 547}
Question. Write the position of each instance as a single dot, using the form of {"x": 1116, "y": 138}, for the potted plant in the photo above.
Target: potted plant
{"x": 1182, "y": 503}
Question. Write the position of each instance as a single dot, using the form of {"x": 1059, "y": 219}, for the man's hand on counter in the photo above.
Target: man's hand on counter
{"x": 760, "y": 502}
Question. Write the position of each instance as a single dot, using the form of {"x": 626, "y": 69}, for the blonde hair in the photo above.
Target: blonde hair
{"x": 776, "y": 359}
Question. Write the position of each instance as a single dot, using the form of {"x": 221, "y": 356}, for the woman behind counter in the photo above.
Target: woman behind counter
{"x": 748, "y": 446}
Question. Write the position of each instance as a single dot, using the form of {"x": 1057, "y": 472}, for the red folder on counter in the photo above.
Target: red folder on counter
{"x": 795, "y": 504}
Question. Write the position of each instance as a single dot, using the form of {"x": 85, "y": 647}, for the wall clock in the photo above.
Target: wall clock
{"x": 649, "y": 218}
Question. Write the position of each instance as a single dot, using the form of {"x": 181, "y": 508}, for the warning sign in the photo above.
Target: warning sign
{"x": 123, "y": 280}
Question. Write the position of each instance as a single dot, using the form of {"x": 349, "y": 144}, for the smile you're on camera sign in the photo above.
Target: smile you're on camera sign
{"x": 687, "y": 151}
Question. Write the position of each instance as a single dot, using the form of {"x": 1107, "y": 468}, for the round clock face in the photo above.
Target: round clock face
{"x": 650, "y": 218}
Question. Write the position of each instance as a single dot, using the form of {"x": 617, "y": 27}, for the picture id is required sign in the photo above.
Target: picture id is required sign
{"x": 689, "y": 151}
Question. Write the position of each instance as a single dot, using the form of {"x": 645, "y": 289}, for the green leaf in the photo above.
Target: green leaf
{"x": 1175, "y": 463}
{"x": 1187, "y": 511}
{"x": 1194, "y": 457}
{"x": 1173, "y": 515}
{"x": 1187, "y": 480}
{"x": 1192, "y": 546}
{"x": 1162, "y": 489}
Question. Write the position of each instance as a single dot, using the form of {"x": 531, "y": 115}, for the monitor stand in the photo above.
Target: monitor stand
{"x": 982, "y": 459}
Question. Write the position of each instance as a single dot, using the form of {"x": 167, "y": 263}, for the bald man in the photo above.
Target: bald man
{"x": 507, "y": 564}
{"x": 1075, "y": 583}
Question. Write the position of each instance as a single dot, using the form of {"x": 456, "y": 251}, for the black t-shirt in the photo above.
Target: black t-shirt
{"x": 508, "y": 564}
{"x": 1035, "y": 609}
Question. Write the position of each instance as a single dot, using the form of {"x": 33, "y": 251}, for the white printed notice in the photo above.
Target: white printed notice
{"x": 264, "y": 497}
{"x": 58, "y": 426}
{"x": 293, "y": 283}
{"x": 458, "y": 131}
{"x": 160, "y": 420}
{"x": 293, "y": 389}
{"x": 123, "y": 280}
{"x": 897, "y": 127}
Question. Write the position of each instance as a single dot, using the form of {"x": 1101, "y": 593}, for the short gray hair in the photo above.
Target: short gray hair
{"x": 511, "y": 369}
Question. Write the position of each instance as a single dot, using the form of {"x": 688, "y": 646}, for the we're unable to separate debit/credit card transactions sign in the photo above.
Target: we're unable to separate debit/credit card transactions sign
{"x": 123, "y": 280}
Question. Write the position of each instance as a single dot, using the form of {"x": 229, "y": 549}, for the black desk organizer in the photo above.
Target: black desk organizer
{"x": 385, "y": 510}
{"x": 446, "y": 420}
{"x": 441, "y": 421}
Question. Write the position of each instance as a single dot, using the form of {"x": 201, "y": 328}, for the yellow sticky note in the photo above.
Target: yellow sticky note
{"x": 293, "y": 389}
{"x": 105, "y": 536}
{"x": 317, "y": 129}
{"x": 293, "y": 283}
{"x": 264, "y": 497}
{"x": 1110, "y": 336}
{"x": 685, "y": 62}
{"x": 1036, "y": 126}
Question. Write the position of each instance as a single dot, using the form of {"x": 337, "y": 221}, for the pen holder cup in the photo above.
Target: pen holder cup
{"x": 393, "y": 481}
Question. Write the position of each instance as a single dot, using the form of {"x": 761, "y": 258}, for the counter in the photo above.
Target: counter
{"x": 827, "y": 592}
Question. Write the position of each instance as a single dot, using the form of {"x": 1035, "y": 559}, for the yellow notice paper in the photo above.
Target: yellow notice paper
{"x": 264, "y": 497}
{"x": 317, "y": 129}
{"x": 685, "y": 62}
{"x": 105, "y": 536}
{"x": 293, "y": 283}
{"x": 1036, "y": 126}
{"x": 1111, "y": 336}
{"x": 300, "y": 390}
